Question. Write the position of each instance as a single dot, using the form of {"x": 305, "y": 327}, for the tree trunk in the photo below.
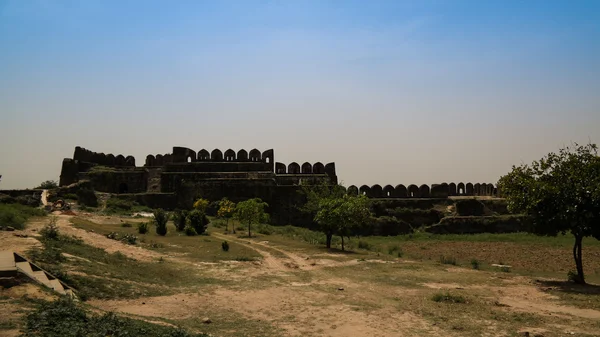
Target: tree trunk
{"x": 578, "y": 261}
{"x": 342, "y": 243}
{"x": 249, "y": 233}
{"x": 329, "y": 236}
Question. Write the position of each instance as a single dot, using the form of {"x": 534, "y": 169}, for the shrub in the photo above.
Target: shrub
{"x": 143, "y": 227}
{"x": 470, "y": 207}
{"x": 129, "y": 239}
{"x": 572, "y": 276}
{"x": 28, "y": 200}
{"x": 87, "y": 197}
{"x": 160, "y": 220}
{"x": 70, "y": 196}
{"x": 364, "y": 245}
{"x": 126, "y": 225}
{"x": 474, "y": 264}
{"x": 116, "y": 204}
{"x": 190, "y": 231}
{"x": 447, "y": 260}
{"x": 50, "y": 231}
{"x": 47, "y": 185}
{"x": 448, "y": 298}
{"x": 505, "y": 269}
{"x": 393, "y": 248}
{"x": 180, "y": 219}
{"x": 16, "y": 215}
{"x": 265, "y": 230}
{"x": 198, "y": 221}
{"x": 225, "y": 246}
{"x": 201, "y": 205}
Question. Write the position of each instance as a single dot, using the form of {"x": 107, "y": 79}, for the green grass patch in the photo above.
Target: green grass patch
{"x": 448, "y": 298}
{"x": 16, "y": 215}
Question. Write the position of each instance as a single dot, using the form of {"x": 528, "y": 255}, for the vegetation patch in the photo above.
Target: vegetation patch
{"x": 448, "y": 298}
{"x": 16, "y": 215}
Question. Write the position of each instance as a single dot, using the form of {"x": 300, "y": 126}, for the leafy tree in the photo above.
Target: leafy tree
{"x": 226, "y": 211}
{"x": 251, "y": 211}
{"x": 342, "y": 216}
{"x": 561, "y": 193}
{"x": 180, "y": 219}
{"x": 201, "y": 205}
{"x": 198, "y": 221}
{"x": 316, "y": 193}
{"x": 47, "y": 185}
{"x": 160, "y": 220}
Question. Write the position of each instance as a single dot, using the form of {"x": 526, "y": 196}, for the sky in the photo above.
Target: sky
{"x": 393, "y": 92}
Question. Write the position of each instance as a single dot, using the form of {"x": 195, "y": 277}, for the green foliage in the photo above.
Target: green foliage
{"x": 50, "y": 230}
{"x": 142, "y": 227}
{"x": 198, "y": 221}
{"x": 364, "y": 245}
{"x": 47, "y": 185}
{"x": 126, "y": 225}
{"x": 160, "y": 220}
{"x": 561, "y": 194}
{"x": 87, "y": 197}
{"x": 475, "y": 264}
{"x": 448, "y": 298}
{"x": 190, "y": 231}
{"x": 201, "y": 205}
{"x": 251, "y": 211}
{"x": 129, "y": 239}
{"x": 315, "y": 194}
{"x": 226, "y": 211}
{"x": 70, "y": 196}
{"x": 469, "y": 207}
{"x": 116, "y": 204}
{"x": 342, "y": 216}
{"x": 64, "y": 318}
{"x": 395, "y": 249}
{"x": 16, "y": 215}
{"x": 225, "y": 246}
{"x": 180, "y": 219}
{"x": 447, "y": 260}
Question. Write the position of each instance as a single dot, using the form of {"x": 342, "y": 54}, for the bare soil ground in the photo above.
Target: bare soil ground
{"x": 306, "y": 291}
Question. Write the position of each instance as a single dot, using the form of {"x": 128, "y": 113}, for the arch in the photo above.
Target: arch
{"x": 203, "y": 155}
{"x": 110, "y": 159}
{"x": 330, "y": 169}
{"x": 130, "y": 161}
{"x": 306, "y": 168}
{"x": 102, "y": 159}
{"x": 268, "y": 156}
{"x": 242, "y": 155}
{"x": 229, "y": 155}
{"x": 460, "y": 189}
{"x": 123, "y": 188}
{"x": 490, "y": 188}
{"x": 477, "y": 189}
{"x": 483, "y": 189}
{"x": 120, "y": 160}
{"x": 167, "y": 158}
{"x": 150, "y": 160}
{"x": 439, "y": 191}
{"x": 413, "y": 191}
{"x": 401, "y": 191}
{"x": 424, "y": 191}
{"x": 352, "y": 190}
{"x": 469, "y": 189}
{"x": 376, "y": 191}
{"x": 452, "y": 189}
{"x": 254, "y": 155}
{"x": 389, "y": 192}
{"x": 294, "y": 168}
{"x": 365, "y": 190}
{"x": 280, "y": 168}
{"x": 159, "y": 161}
{"x": 318, "y": 168}
{"x": 216, "y": 155}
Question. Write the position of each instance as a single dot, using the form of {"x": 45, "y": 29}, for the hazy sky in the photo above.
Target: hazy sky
{"x": 391, "y": 91}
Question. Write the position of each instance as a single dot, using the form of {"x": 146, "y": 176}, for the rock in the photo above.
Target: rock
{"x": 9, "y": 228}
{"x": 340, "y": 288}
{"x": 206, "y": 320}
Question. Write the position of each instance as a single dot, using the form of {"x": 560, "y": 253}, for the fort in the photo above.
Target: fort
{"x": 175, "y": 179}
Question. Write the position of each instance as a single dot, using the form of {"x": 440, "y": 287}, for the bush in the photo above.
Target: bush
{"x": 481, "y": 224}
{"x": 387, "y": 225}
{"x": 180, "y": 219}
{"x": 198, "y": 221}
{"x": 190, "y": 231}
{"x": 50, "y": 231}
{"x": 87, "y": 197}
{"x": 448, "y": 298}
{"x": 47, "y": 185}
{"x": 116, "y": 204}
{"x": 143, "y": 227}
{"x": 447, "y": 260}
{"x": 160, "y": 220}
{"x": 70, "y": 196}
{"x": 365, "y": 245}
{"x": 264, "y": 229}
{"x": 126, "y": 225}
{"x": 393, "y": 249}
{"x": 129, "y": 239}
{"x": 572, "y": 276}
{"x": 474, "y": 264}
{"x": 28, "y": 200}
{"x": 225, "y": 246}
{"x": 16, "y": 215}
{"x": 470, "y": 207}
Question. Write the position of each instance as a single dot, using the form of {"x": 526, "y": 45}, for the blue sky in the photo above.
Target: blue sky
{"x": 392, "y": 91}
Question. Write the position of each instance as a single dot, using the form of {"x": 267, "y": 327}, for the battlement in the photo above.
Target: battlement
{"x": 84, "y": 155}
{"x": 442, "y": 190}
{"x": 186, "y": 155}
{"x": 306, "y": 168}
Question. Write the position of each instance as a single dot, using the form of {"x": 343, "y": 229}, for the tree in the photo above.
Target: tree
{"x": 342, "y": 216}
{"x": 47, "y": 185}
{"x": 251, "y": 211}
{"x": 160, "y": 220}
{"x": 314, "y": 194}
{"x": 201, "y": 205}
{"x": 226, "y": 210}
{"x": 180, "y": 219}
{"x": 198, "y": 221}
{"x": 561, "y": 194}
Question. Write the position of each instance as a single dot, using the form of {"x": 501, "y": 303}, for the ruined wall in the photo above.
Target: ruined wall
{"x": 84, "y": 155}
{"x": 443, "y": 190}
{"x": 117, "y": 181}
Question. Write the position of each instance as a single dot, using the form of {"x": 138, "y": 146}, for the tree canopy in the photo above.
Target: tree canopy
{"x": 561, "y": 194}
{"x": 342, "y": 216}
{"x": 48, "y": 185}
{"x": 251, "y": 211}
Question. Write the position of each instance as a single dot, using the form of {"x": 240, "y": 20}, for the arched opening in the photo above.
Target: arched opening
{"x": 123, "y": 188}
{"x": 461, "y": 191}
{"x": 268, "y": 160}
{"x": 189, "y": 159}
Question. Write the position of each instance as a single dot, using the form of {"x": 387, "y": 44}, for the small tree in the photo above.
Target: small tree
{"x": 561, "y": 193}
{"x": 47, "y": 185}
{"x": 342, "y": 216}
{"x": 251, "y": 211}
{"x": 201, "y": 205}
{"x": 160, "y": 220}
{"x": 198, "y": 221}
{"x": 226, "y": 210}
{"x": 180, "y": 219}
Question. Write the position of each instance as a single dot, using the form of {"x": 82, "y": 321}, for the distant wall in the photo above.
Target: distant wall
{"x": 442, "y": 190}
{"x": 84, "y": 155}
